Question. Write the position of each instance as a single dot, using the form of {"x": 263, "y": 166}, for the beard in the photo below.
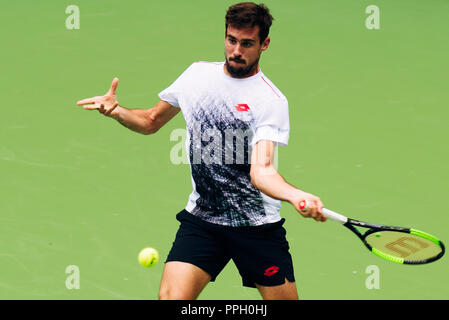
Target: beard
{"x": 243, "y": 71}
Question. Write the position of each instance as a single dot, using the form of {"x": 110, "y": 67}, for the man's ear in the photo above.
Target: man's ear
{"x": 265, "y": 44}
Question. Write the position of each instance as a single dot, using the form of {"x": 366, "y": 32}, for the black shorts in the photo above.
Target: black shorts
{"x": 260, "y": 253}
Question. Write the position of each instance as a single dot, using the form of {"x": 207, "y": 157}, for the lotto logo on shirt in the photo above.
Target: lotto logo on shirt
{"x": 243, "y": 112}
{"x": 242, "y": 107}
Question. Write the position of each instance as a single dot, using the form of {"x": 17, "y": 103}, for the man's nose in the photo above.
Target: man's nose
{"x": 237, "y": 50}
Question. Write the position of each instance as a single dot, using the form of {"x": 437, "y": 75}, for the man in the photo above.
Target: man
{"x": 233, "y": 211}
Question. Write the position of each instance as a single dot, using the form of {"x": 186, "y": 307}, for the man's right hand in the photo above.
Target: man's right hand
{"x": 104, "y": 104}
{"x": 314, "y": 207}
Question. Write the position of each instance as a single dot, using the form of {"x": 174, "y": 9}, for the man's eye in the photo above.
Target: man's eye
{"x": 247, "y": 44}
{"x": 232, "y": 41}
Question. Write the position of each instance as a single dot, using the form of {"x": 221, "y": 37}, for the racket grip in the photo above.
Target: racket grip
{"x": 328, "y": 213}
{"x": 334, "y": 216}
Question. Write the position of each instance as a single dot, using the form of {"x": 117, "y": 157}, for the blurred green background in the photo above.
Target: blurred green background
{"x": 368, "y": 112}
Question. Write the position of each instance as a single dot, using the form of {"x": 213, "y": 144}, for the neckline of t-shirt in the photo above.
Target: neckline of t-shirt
{"x": 257, "y": 75}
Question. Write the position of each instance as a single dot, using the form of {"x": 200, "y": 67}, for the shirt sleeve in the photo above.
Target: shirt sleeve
{"x": 273, "y": 123}
{"x": 173, "y": 93}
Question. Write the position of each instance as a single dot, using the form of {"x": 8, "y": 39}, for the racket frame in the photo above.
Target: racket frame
{"x": 372, "y": 228}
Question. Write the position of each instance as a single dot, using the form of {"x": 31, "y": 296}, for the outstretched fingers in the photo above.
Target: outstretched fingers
{"x": 95, "y": 106}
{"x": 113, "y": 87}
{"x": 87, "y": 101}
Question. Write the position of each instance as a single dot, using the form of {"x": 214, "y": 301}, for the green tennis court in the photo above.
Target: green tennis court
{"x": 368, "y": 117}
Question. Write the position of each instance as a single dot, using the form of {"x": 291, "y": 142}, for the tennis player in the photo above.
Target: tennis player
{"x": 235, "y": 118}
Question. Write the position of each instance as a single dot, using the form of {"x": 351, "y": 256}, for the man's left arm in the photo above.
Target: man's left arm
{"x": 265, "y": 177}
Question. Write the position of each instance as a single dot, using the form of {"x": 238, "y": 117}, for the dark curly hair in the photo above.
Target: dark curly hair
{"x": 249, "y": 14}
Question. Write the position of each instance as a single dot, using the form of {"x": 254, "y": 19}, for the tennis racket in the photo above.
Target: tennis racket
{"x": 397, "y": 244}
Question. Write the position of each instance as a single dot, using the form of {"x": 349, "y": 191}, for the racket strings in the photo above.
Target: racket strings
{"x": 404, "y": 246}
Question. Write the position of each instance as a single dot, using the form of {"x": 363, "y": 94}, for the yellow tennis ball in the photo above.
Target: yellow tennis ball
{"x": 148, "y": 257}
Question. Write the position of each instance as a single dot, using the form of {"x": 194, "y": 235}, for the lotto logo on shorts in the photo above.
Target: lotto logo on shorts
{"x": 242, "y": 107}
{"x": 271, "y": 270}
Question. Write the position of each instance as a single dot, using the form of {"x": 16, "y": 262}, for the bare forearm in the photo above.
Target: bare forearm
{"x": 137, "y": 120}
{"x": 265, "y": 177}
{"x": 270, "y": 182}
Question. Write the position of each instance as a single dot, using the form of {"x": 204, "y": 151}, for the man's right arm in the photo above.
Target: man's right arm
{"x": 145, "y": 121}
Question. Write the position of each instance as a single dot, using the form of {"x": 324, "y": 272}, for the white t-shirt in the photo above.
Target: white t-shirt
{"x": 225, "y": 117}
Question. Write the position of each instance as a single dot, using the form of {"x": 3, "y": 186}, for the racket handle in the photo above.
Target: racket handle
{"x": 334, "y": 216}
{"x": 328, "y": 213}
